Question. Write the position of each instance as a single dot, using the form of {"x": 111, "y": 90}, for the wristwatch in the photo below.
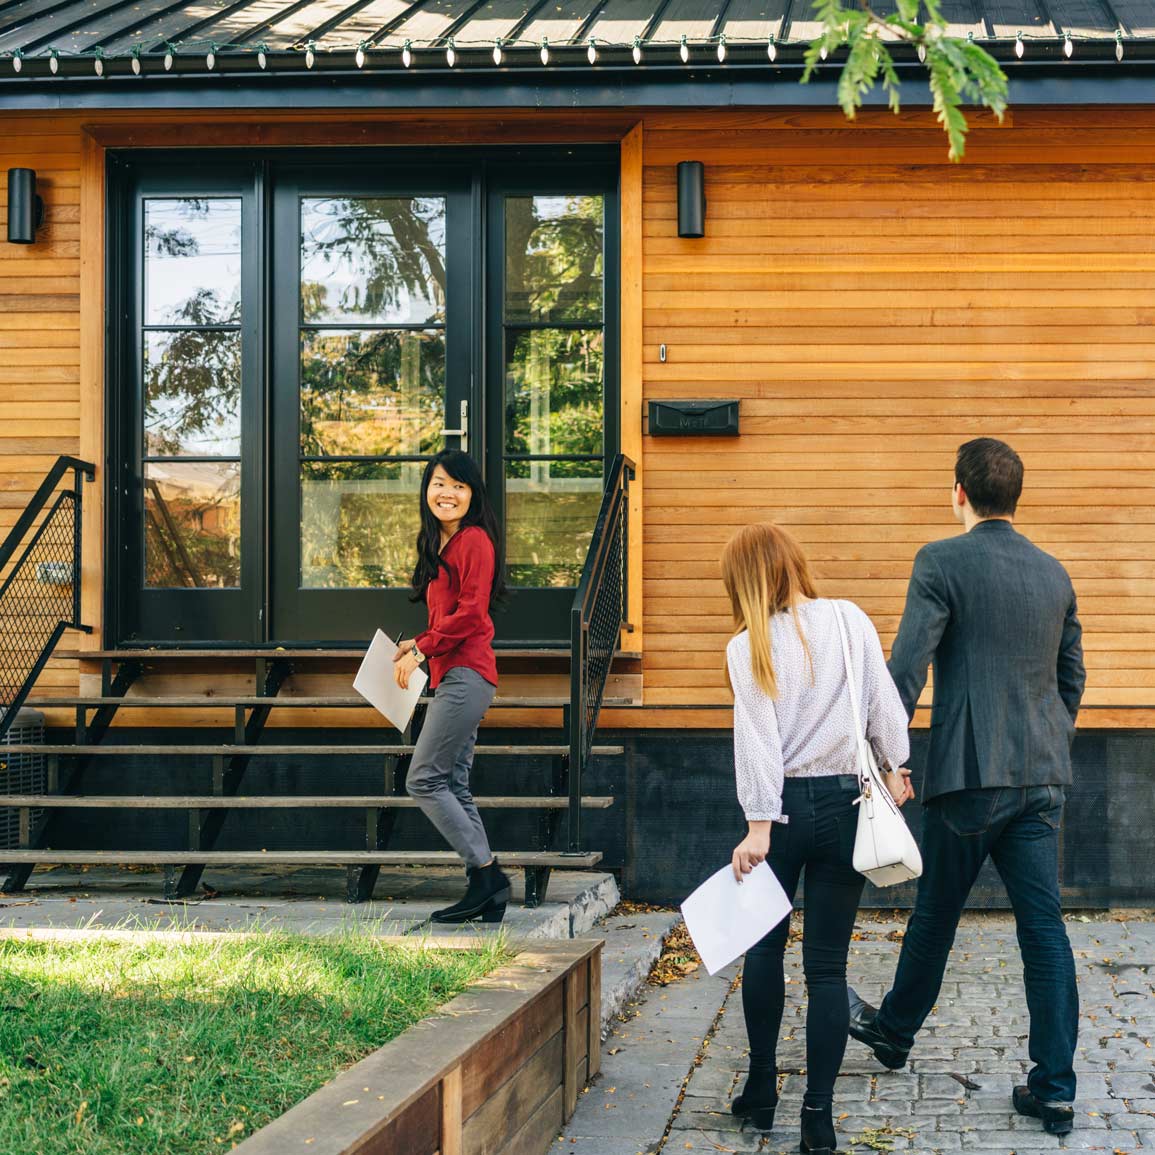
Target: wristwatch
{"x": 418, "y": 655}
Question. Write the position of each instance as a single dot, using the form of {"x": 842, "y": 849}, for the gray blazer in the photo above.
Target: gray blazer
{"x": 997, "y": 617}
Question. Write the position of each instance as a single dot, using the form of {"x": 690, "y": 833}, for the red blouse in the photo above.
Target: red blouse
{"x": 460, "y": 628}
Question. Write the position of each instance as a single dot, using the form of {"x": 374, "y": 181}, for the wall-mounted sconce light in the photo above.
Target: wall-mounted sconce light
{"x": 25, "y": 208}
{"x": 691, "y": 199}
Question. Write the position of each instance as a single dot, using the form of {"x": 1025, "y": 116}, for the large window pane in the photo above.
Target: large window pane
{"x": 192, "y": 261}
{"x": 553, "y": 391}
{"x": 372, "y": 393}
{"x": 359, "y": 523}
{"x": 192, "y": 524}
{"x": 554, "y": 262}
{"x": 551, "y": 508}
{"x": 192, "y": 393}
{"x": 374, "y": 260}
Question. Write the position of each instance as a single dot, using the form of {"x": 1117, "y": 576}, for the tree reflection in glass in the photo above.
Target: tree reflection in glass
{"x": 379, "y": 260}
{"x": 554, "y": 384}
{"x": 370, "y": 394}
{"x": 191, "y": 381}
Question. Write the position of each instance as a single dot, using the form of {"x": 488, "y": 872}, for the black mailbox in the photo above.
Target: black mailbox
{"x": 694, "y": 418}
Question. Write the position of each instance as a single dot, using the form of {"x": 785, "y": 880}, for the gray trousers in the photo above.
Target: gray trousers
{"x": 438, "y": 776}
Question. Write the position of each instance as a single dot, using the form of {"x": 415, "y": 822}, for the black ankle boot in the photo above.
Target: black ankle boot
{"x": 759, "y": 1099}
{"x": 485, "y": 897}
{"x": 818, "y": 1136}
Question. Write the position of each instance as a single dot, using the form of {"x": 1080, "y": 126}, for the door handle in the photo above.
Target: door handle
{"x": 463, "y": 432}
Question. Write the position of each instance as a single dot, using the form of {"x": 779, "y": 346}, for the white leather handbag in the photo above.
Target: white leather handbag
{"x": 884, "y": 848}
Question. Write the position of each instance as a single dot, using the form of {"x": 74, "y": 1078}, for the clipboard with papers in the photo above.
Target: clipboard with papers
{"x": 375, "y": 683}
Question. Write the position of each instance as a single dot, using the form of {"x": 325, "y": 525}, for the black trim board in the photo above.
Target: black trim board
{"x": 575, "y": 88}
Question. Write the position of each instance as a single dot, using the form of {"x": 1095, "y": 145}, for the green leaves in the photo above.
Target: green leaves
{"x": 958, "y": 71}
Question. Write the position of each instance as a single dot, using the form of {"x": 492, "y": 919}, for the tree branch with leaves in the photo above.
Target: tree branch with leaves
{"x": 959, "y": 71}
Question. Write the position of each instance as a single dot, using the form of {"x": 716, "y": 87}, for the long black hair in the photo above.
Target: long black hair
{"x": 461, "y": 467}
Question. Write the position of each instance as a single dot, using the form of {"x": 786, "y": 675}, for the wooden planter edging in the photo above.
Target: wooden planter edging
{"x": 496, "y": 1071}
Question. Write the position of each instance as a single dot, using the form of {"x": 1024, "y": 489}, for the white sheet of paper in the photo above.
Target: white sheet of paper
{"x": 374, "y": 682}
{"x": 725, "y": 918}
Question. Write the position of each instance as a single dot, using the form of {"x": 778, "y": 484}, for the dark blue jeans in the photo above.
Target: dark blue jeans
{"x": 818, "y": 839}
{"x": 1019, "y": 828}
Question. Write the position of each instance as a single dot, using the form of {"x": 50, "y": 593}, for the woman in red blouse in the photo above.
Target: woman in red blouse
{"x": 459, "y": 576}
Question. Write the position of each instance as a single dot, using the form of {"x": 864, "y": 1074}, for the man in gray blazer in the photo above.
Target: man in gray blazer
{"x": 997, "y": 617}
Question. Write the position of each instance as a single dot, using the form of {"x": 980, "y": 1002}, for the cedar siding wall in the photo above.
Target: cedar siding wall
{"x": 869, "y": 304}
{"x": 40, "y": 399}
{"x": 873, "y": 307}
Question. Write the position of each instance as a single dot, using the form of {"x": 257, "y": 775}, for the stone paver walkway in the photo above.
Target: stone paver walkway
{"x": 953, "y": 1096}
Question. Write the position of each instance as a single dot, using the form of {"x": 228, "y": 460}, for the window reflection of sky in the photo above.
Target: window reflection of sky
{"x": 193, "y": 261}
{"x": 356, "y": 268}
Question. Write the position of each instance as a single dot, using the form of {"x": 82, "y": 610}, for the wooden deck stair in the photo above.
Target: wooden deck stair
{"x": 226, "y": 762}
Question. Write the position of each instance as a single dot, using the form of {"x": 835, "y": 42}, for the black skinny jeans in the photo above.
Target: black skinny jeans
{"x": 820, "y": 839}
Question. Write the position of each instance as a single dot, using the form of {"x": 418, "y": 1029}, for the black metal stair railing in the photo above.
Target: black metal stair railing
{"x": 600, "y": 609}
{"x": 40, "y": 582}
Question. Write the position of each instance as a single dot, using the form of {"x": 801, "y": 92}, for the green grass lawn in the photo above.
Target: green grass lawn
{"x": 111, "y": 1047}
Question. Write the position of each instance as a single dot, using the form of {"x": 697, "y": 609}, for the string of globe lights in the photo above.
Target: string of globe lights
{"x": 212, "y": 56}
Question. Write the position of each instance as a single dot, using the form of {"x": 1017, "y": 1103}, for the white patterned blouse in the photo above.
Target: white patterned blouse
{"x": 806, "y": 732}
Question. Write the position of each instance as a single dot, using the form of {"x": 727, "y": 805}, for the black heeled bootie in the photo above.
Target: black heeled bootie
{"x": 759, "y": 1099}
{"x": 485, "y": 898}
{"x": 818, "y": 1136}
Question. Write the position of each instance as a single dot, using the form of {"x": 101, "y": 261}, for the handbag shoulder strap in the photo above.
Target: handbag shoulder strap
{"x": 859, "y": 736}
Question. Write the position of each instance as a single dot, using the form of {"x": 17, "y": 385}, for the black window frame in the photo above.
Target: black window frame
{"x": 531, "y": 617}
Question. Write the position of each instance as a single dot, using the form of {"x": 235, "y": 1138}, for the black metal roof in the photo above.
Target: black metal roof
{"x": 238, "y": 30}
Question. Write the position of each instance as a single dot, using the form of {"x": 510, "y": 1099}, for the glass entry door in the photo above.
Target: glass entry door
{"x": 372, "y": 349}
{"x": 300, "y": 336}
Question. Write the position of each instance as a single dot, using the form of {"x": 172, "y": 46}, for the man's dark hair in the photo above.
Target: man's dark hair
{"x": 991, "y": 474}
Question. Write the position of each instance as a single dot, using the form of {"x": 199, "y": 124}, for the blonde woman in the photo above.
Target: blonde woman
{"x": 795, "y": 762}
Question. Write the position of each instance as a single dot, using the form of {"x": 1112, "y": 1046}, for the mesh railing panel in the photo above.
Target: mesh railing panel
{"x": 604, "y": 629}
{"x": 37, "y": 596}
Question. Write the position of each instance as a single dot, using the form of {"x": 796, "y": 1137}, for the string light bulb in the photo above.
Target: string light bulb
{"x": 497, "y": 51}
{"x": 722, "y": 49}
{"x": 136, "y": 61}
{"x": 544, "y": 51}
{"x": 771, "y": 49}
{"x": 169, "y": 58}
{"x": 17, "y": 62}
{"x": 1068, "y": 45}
{"x": 637, "y": 53}
{"x": 262, "y": 58}
{"x": 450, "y": 53}
{"x": 1019, "y": 46}
{"x": 592, "y": 51}
{"x": 359, "y": 58}
{"x": 822, "y": 52}
{"x": 310, "y": 55}
{"x": 211, "y": 58}
{"x": 684, "y": 51}
{"x": 98, "y": 62}
{"x": 406, "y": 55}
{"x": 1119, "y": 44}
{"x": 54, "y": 63}
{"x": 922, "y": 53}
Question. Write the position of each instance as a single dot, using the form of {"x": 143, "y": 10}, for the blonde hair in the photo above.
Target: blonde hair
{"x": 765, "y": 573}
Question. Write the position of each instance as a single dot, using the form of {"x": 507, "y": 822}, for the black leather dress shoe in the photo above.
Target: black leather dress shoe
{"x": 864, "y": 1028}
{"x": 1058, "y": 1118}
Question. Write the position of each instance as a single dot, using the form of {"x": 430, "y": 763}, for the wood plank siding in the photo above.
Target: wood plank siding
{"x": 873, "y": 307}
{"x": 869, "y": 304}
